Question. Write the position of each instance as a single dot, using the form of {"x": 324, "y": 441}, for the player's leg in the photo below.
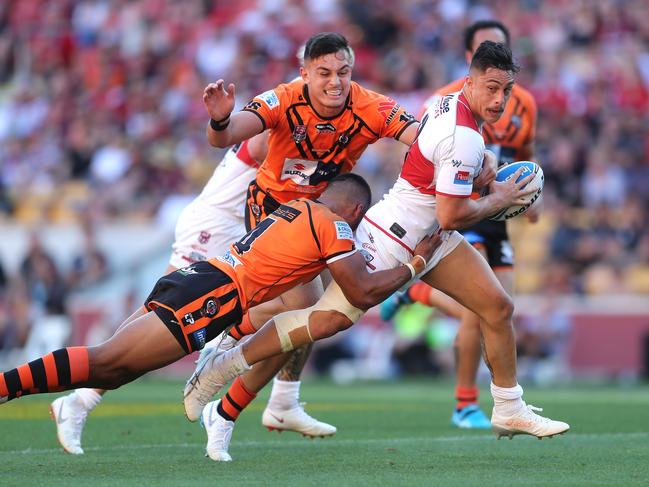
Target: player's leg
{"x": 468, "y": 352}
{"x": 144, "y": 344}
{"x": 477, "y": 288}
{"x": 76, "y": 407}
{"x": 284, "y": 401}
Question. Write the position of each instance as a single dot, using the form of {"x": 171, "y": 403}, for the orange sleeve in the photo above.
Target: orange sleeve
{"x": 267, "y": 106}
{"x": 335, "y": 236}
{"x": 384, "y": 115}
{"x": 532, "y": 113}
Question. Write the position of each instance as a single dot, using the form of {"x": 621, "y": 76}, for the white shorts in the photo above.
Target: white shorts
{"x": 382, "y": 252}
{"x": 203, "y": 232}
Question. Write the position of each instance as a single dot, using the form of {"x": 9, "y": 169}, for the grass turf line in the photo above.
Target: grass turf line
{"x": 389, "y": 434}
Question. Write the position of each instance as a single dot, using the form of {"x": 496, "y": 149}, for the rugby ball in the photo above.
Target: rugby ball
{"x": 505, "y": 173}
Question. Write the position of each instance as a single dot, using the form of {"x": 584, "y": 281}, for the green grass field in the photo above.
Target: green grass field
{"x": 389, "y": 434}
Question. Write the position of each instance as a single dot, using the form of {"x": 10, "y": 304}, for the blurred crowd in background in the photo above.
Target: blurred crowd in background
{"x": 101, "y": 117}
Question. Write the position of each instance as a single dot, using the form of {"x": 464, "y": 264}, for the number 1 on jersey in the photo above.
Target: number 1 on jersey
{"x": 246, "y": 242}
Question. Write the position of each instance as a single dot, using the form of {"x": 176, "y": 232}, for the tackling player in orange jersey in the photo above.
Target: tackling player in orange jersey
{"x": 319, "y": 126}
{"x": 511, "y": 138}
{"x": 196, "y": 303}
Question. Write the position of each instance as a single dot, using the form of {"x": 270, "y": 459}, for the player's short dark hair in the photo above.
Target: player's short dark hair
{"x": 325, "y": 43}
{"x": 470, "y": 31}
{"x": 360, "y": 186}
{"x": 496, "y": 55}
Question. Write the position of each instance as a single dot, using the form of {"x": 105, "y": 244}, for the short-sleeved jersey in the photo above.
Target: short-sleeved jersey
{"x": 291, "y": 246}
{"x": 306, "y": 150}
{"x": 445, "y": 159}
{"x": 515, "y": 129}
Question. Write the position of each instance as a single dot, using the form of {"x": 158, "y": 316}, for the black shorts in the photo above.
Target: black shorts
{"x": 492, "y": 237}
{"x": 197, "y": 303}
{"x": 259, "y": 205}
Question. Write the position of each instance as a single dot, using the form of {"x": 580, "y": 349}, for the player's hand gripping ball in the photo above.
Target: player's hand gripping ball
{"x": 506, "y": 172}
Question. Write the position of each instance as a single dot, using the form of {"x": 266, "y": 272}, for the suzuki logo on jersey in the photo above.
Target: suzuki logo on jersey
{"x": 298, "y": 170}
{"x": 462, "y": 177}
{"x": 299, "y": 133}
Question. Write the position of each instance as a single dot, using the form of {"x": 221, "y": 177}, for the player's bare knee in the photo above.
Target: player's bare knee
{"x": 323, "y": 324}
{"x": 501, "y": 309}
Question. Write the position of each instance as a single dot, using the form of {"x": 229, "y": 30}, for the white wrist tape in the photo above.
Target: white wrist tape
{"x": 413, "y": 273}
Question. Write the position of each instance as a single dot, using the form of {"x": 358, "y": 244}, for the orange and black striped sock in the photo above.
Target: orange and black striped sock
{"x": 420, "y": 293}
{"x": 235, "y": 400}
{"x": 57, "y": 371}
{"x": 466, "y": 396}
{"x": 242, "y": 329}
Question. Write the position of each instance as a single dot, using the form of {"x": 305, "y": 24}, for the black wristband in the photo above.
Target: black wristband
{"x": 219, "y": 125}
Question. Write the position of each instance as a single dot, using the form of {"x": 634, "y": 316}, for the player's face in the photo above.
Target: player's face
{"x": 328, "y": 80}
{"x": 488, "y": 92}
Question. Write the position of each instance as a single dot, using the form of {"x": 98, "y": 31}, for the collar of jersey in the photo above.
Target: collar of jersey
{"x": 305, "y": 92}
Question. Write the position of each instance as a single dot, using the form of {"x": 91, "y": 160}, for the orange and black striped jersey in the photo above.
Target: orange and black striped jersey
{"x": 291, "y": 246}
{"x": 515, "y": 129}
{"x": 306, "y": 150}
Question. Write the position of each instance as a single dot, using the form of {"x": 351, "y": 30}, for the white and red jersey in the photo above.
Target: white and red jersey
{"x": 226, "y": 189}
{"x": 445, "y": 159}
{"x": 215, "y": 218}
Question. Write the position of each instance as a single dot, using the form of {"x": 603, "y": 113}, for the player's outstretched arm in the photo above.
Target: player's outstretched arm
{"x": 364, "y": 290}
{"x": 225, "y": 128}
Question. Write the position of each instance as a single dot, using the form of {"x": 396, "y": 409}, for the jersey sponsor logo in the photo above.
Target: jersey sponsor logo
{"x": 199, "y": 337}
{"x": 299, "y": 133}
{"x": 269, "y": 98}
{"x": 343, "y": 140}
{"x": 388, "y": 109}
{"x": 406, "y": 117}
{"x": 456, "y": 163}
{"x": 462, "y": 177}
{"x": 204, "y": 237}
{"x": 325, "y": 127}
{"x": 188, "y": 319}
{"x": 287, "y": 213}
{"x": 229, "y": 259}
{"x": 442, "y": 106}
{"x": 252, "y": 105}
{"x": 210, "y": 307}
{"x": 366, "y": 255}
{"x": 298, "y": 170}
{"x": 343, "y": 231}
{"x": 398, "y": 230}
{"x": 369, "y": 247}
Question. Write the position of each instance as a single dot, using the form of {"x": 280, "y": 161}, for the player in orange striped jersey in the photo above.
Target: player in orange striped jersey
{"x": 194, "y": 304}
{"x": 511, "y": 138}
{"x": 319, "y": 126}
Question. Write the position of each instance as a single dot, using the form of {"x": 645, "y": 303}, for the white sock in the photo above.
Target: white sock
{"x": 507, "y": 400}
{"x": 285, "y": 394}
{"x": 89, "y": 398}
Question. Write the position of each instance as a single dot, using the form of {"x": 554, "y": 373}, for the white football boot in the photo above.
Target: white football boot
{"x": 70, "y": 417}
{"x": 214, "y": 370}
{"x": 295, "y": 419}
{"x": 526, "y": 422}
{"x": 219, "y": 433}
